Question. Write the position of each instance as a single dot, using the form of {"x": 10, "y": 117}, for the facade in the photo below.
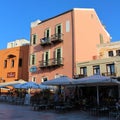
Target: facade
{"x": 14, "y": 63}
{"x": 109, "y": 50}
{"x": 106, "y": 63}
{"x": 16, "y": 43}
{"x": 60, "y": 42}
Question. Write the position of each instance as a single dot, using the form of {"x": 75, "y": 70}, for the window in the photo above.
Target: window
{"x": 110, "y": 53}
{"x": 101, "y": 39}
{"x": 33, "y": 79}
{"x": 47, "y": 36}
{"x": 44, "y": 79}
{"x": 83, "y": 71}
{"x": 58, "y": 55}
{"x": 117, "y": 52}
{"x": 47, "y": 33}
{"x": 46, "y": 57}
{"x": 110, "y": 69}
{"x": 67, "y": 26}
{"x": 12, "y": 45}
{"x": 34, "y": 39}
{"x": 12, "y": 63}
{"x": 32, "y": 59}
{"x": 20, "y": 62}
{"x": 58, "y": 31}
{"x": 5, "y": 63}
{"x": 96, "y": 70}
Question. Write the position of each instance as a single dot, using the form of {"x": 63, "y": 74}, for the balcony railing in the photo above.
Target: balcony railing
{"x": 57, "y": 38}
{"x": 51, "y": 62}
{"x": 79, "y": 76}
{"x": 45, "y": 41}
{"x": 110, "y": 74}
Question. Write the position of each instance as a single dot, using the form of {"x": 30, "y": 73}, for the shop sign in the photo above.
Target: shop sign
{"x": 10, "y": 74}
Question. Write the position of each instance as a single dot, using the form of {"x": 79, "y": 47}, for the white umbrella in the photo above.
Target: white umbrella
{"x": 96, "y": 80}
{"x": 63, "y": 80}
{"x": 60, "y": 81}
{"x": 12, "y": 83}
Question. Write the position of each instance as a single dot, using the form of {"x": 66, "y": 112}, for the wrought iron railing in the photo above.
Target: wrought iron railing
{"x": 45, "y": 41}
{"x": 51, "y": 62}
{"x": 58, "y": 37}
{"x": 79, "y": 76}
{"x": 109, "y": 74}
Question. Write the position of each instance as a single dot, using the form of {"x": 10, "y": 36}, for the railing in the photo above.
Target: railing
{"x": 109, "y": 74}
{"x": 79, "y": 76}
{"x": 45, "y": 41}
{"x": 58, "y": 37}
{"x": 51, "y": 62}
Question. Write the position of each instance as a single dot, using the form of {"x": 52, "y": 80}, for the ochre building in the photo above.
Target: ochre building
{"x": 14, "y": 63}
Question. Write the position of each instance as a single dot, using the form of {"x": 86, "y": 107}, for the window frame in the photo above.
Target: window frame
{"x": 33, "y": 79}
{"x": 83, "y": 70}
{"x": 110, "y": 53}
{"x": 12, "y": 63}
{"x": 57, "y": 29}
{"x": 34, "y": 39}
{"x": 118, "y": 52}
{"x": 5, "y": 63}
{"x": 44, "y": 78}
{"x": 32, "y": 56}
{"x": 96, "y": 69}
{"x": 20, "y": 62}
{"x": 47, "y": 30}
{"x": 110, "y": 68}
{"x": 46, "y": 61}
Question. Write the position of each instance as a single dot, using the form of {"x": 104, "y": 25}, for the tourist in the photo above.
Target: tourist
{"x": 118, "y": 104}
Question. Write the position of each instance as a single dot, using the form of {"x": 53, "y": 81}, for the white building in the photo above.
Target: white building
{"x": 17, "y": 43}
{"x": 106, "y": 63}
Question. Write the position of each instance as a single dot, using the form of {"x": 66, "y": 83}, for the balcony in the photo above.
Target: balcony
{"x": 45, "y": 41}
{"x": 51, "y": 62}
{"x": 109, "y": 74}
{"x": 56, "y": 38}
{"x": 79, "y": 76}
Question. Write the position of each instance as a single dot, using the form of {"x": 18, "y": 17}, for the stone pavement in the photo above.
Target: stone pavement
{"x": 17, "y": 112}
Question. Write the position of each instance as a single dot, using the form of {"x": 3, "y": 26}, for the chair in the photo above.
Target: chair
{"x": 114, "y": 113}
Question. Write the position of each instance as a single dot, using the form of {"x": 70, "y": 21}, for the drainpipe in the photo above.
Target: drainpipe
{"x": 72, "y": 19}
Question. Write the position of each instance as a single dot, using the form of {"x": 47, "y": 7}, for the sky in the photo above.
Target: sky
{"x": 16, "y": 15}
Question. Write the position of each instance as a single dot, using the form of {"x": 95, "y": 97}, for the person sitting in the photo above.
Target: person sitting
{"x": 118, "y": 105}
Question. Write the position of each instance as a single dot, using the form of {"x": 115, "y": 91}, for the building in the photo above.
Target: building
{"x": 106, "y": 63}
{"x": 14, "y": 63}
{"x": 16, "y": 43}
{"x": 109, "y": 50}
{"x": 60, "y": 42}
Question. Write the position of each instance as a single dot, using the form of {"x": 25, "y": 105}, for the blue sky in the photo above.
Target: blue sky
{"x": 17, "y": 15}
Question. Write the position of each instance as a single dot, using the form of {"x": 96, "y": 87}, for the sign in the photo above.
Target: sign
{"x": 33, "y": 69}
{"x": 10, "y": 74}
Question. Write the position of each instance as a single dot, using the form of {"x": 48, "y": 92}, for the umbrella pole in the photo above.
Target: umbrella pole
{"x": 97, "y": 95}
{"x": 0, "y": 91}
{"x": 64, "y": 94}
{"x": 118, "y": 91}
